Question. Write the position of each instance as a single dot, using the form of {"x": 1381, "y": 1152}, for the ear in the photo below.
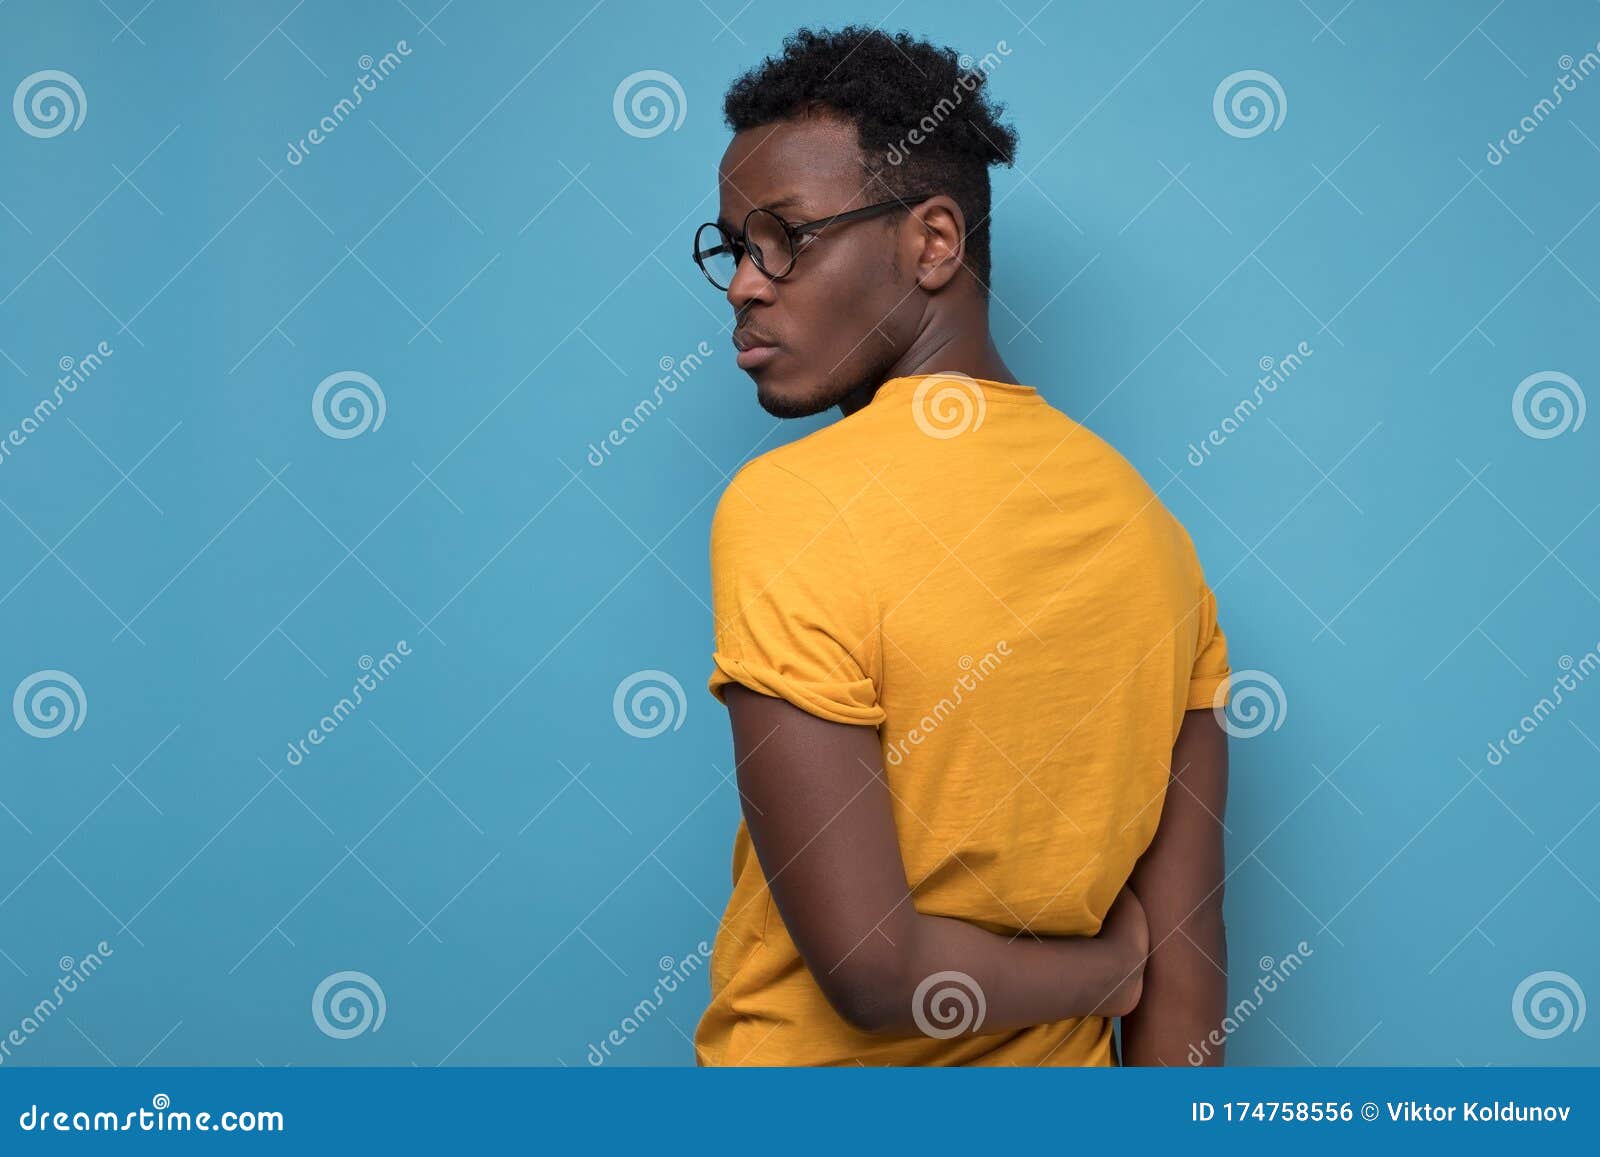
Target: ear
{"x": 938, "y": 232}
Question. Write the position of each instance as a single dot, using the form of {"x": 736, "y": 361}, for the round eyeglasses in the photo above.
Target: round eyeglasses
{"x": 772, "y": 243}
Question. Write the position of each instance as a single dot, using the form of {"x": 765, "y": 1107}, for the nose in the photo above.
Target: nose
{"x": 749, "y": 285}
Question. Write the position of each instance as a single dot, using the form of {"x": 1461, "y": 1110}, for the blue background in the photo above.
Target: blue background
{"x": 484, "y": 239}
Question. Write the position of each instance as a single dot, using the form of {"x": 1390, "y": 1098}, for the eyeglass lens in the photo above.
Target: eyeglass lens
{"x": 765, "y": 235}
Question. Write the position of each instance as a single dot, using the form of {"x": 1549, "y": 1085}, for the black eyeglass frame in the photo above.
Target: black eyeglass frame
{"x": 793, "y": 232}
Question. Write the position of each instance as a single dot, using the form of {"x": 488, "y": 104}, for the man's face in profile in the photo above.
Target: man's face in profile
{"x": 833, "y": 323}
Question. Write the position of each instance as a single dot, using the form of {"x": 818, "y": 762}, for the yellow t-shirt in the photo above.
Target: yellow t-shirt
{"x": 999, "y": 593}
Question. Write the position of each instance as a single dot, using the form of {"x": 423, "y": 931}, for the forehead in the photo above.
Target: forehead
{"x": 813, "y": 162}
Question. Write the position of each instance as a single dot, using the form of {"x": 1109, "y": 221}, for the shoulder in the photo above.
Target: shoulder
{"x": 1131, "y": 498}
{"x": 1107, "y": 464}
{"x": 766, "y": 488}
{"x": 812, "y": 475}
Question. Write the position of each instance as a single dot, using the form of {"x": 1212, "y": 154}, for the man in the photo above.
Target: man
{"x": 968, "y": 657}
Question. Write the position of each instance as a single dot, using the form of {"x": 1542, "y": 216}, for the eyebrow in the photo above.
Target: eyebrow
{"x": 787, "y": 201}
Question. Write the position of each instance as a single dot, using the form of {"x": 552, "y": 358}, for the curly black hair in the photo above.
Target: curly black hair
{"x": 923, "y": 119}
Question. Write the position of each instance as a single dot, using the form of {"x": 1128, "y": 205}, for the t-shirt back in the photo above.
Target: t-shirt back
{"x": 1000, "y": 594}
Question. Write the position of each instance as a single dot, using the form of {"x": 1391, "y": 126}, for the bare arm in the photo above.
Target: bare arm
{"x": 1179, "y": 881}
{"x": 820, "y": 818}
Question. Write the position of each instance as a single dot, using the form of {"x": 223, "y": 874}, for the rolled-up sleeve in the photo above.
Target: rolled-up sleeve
{"x": 795, "y": 615}
{"x": 1208, "y": 681}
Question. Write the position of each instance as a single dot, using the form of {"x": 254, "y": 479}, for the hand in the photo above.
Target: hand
{"x": 1127, "y": 933}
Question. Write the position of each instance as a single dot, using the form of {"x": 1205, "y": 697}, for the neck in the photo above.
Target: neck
{"x": 970, "y": 351}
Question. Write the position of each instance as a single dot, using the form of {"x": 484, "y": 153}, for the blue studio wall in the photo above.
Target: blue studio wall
{"x": 288, "y": 411}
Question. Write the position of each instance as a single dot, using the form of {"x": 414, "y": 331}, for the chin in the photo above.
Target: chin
{"x": 784, "y": 399}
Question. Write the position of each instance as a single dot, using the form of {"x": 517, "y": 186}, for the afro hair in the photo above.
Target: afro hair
{"x": 924, "y": 121}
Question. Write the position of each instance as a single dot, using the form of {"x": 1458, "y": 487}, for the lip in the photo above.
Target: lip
{"x": 754, "y": 350}
{"x": 756, "y": 356}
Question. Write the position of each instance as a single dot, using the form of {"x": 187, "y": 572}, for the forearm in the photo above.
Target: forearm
{"x": 1180, "y": 1013}
{"x": 821, "y": 819}
{"x": 1180, "y": 881}
{"x": 1022, "y": 981}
